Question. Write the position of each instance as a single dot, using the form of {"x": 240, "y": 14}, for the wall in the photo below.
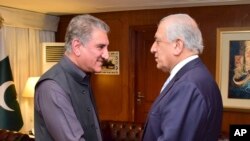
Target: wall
{"x": 115, "y": 96}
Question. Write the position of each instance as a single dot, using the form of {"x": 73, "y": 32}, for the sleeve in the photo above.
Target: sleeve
{"x": 183, "y": 114}
{"x": 58, "y": 114}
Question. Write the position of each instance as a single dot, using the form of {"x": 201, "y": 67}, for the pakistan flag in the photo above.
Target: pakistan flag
{"x": 10, "y": 114}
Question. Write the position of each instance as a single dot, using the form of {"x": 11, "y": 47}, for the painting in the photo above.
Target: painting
{"x": 233, "y": 67}
{"x": 111, "y": 66}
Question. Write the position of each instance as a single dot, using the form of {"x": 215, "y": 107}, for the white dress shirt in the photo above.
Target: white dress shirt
{"x": 177, "y": 68}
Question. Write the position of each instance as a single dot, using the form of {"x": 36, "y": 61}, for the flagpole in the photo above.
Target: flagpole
{"x": 1, "y": 21}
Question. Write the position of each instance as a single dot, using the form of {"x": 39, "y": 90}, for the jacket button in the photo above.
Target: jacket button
{"x": 83, "y": 92}
{"x": 89, "y": 109}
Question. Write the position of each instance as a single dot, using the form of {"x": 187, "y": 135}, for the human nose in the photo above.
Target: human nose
{"x": 153, "y": 48}
{"x": 105, "y": 54}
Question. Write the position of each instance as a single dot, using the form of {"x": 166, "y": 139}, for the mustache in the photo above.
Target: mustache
{"x": 107, "y": 63}
{"x": 103, "y": 60}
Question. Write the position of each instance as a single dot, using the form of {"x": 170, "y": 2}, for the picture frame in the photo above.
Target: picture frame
{"x": 112, "y": 65}
{"x": 232, "y": 72}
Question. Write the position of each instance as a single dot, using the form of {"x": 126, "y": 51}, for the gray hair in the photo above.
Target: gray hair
{"x": 185, "y": 28}
{"x": 81, "y": 27}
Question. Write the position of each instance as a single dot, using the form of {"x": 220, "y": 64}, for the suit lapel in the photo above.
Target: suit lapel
{"x": 192, "y": 64}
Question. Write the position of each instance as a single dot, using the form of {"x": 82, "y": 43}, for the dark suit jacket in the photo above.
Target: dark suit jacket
{"x": 188, "y": 109}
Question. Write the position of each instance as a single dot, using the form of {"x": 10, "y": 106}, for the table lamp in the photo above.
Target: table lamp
{"x": 28, "y": 92}
{"x": 29, "y": 88}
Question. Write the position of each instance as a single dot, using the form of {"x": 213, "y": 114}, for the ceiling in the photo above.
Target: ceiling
{"x": 66, "y": 7}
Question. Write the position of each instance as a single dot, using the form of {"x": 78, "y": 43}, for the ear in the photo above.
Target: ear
{"x": 76, "y": 44}
{"x": 179, "y": 46}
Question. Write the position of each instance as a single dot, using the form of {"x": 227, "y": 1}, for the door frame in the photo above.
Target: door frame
{"x": 133, "y": 31}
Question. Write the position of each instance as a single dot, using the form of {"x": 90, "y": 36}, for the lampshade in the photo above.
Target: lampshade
{"x": 29, "y": 88}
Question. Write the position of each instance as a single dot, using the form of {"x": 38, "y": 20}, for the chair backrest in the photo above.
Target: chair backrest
{"x": 6, "y": 135}
{"x": 121, "y": 131}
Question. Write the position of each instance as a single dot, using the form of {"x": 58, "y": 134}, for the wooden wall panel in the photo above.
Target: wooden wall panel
{"x": 110, "y": 92}
{"x": 115, "y": 95}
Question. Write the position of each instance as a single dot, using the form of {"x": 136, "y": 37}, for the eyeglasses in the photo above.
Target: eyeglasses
{"x": 158, "y": 42}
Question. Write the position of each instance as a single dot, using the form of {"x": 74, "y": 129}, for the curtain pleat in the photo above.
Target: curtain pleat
{"x": 23, "y": 45}
{"x": 23, "y": 33}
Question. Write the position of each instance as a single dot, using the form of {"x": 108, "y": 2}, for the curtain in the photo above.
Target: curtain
{"x": 23, "y": 32}
{"x": 24, "y": 49}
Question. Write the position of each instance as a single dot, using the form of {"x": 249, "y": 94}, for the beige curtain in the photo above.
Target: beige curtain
{"x": 23, "y": 33}
{"x": 23, "y": 46}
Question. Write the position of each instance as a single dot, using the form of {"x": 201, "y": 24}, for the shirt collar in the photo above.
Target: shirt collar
{"x": 74, "y": 70}
{"x": 180, "y": 65}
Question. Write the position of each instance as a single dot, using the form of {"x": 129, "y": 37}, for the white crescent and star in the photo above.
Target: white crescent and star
{"x": 3, "y": 88}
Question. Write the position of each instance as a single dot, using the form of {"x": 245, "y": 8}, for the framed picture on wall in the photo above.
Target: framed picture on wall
{"x": 233, "y": 67}
{"x": 111, "y": 66}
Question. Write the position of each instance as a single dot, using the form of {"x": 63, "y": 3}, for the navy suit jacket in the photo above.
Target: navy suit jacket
{"x": 188, "y": 109}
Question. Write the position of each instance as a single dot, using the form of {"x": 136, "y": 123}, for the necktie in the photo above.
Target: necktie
{"x": 165, "y": 84}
